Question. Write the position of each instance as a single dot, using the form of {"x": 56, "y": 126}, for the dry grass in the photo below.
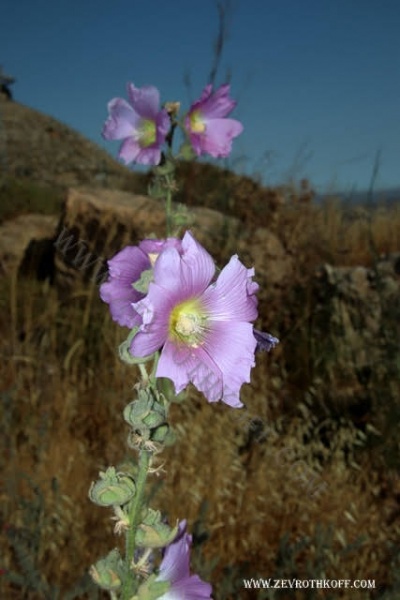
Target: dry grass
{"x": 278, "y": 501}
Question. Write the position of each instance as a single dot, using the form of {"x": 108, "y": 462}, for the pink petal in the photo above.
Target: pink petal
{"x": 232, "y": 346}
{"x": 217, "y": 139}
{"x": 229, "y": 299}
{"x": 149, "y": 156}
{"x": 188, "y": 274}
{"x": 129, "y": 150}
{"x": 163, "y": 122}
{"x": 145, "y": 100}
{"x": 154, "y": 330}
{"x": 122, "y": 121}
{"x": 174, "y": 364}
{"x": 219, "y": 105}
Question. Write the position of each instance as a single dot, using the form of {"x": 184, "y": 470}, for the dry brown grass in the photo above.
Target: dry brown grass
{"x": 63, "y": 390}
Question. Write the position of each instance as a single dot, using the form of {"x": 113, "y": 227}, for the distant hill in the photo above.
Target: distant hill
{"x": 39, "y": 148}
{"x": 373, "y": 197}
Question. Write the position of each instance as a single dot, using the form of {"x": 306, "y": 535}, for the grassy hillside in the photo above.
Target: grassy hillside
{"x": 297, "y": 486}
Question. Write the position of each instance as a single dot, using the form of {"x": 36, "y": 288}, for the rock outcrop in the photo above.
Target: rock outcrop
{"x": 355, "y": 331}
{"x": 97, "y": 224}
{"x": 27, "y": 244}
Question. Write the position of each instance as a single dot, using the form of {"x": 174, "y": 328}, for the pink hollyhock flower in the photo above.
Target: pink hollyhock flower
{"x": 204, "y": 329}
{"x": 124, "y": 270}
{"x": 140, "y": 123}
{"x": 175, "y": 569}
{"x": 210, "y": 132}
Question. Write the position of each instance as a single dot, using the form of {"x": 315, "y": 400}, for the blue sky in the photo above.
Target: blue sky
{"x": 317, "y": 81}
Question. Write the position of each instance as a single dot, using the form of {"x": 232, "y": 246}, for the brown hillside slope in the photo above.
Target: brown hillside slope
{"x": 37, "y": 147}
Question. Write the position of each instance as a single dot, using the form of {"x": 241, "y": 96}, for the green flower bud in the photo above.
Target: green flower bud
{"x": 146, "y": 412}
{"x": 163, "y": 435}
{"x": 153, "y": 533}
{"x": 106, "y": 573}
{"x": 166, "y": 169}
{"x": 112, "y": 489}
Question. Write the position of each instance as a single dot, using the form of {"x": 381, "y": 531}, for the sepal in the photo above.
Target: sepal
{"x": 142, "y": 284}
{"x": 125, "y": 354}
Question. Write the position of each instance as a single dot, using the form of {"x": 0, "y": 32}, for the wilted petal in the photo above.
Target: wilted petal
{"x": 265, "y": 341}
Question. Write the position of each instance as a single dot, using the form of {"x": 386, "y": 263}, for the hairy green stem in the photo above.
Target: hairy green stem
{"x": 168, "y": 209}
{"x": 134, "y": 520}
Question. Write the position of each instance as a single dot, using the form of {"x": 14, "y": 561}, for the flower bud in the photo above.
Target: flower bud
{"x": 106, "y": 572}
{"x": 146, "y": 412}
{"x": 153, "y": 533}
{"x": 163, "y": 435}
{"x": 112, "y": 489}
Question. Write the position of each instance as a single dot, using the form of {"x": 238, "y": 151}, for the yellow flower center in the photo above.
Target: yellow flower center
{"x": 186, "y": 323}
{"x": 148, "y": 133}
{"x": 197, "y": 124}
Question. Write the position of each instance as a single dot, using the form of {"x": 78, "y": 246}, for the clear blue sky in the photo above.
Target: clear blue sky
{"x": 317, "y": 81}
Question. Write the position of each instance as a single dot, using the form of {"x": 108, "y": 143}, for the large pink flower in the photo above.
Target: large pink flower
{"x": 203, "y": 327}
{"x": 140, "y": 123}
{"x": 210, "y": 132}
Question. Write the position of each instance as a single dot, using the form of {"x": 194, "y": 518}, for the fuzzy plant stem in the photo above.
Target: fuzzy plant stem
{"x": 168, "y": 208}
{"x": 134, "y": 520}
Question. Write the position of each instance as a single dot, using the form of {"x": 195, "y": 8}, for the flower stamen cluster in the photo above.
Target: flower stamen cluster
{"x": 187, "y": 323}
